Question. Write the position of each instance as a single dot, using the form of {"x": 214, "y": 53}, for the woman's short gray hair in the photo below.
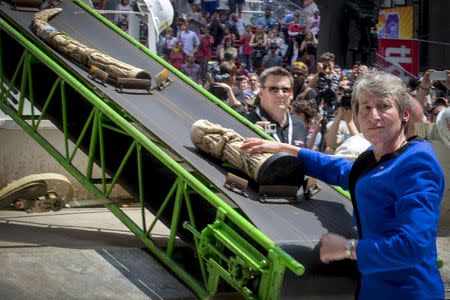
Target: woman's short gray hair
{"x": 381, "y": 84}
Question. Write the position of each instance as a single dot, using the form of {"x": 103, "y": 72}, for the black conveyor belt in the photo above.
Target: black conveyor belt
{"x": 169, "y": 114}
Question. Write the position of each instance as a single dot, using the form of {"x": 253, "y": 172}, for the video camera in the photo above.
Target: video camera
{"x": 324, "y": 91}
{"x": 346, "y": 99}
{"x": 224, "y": 77}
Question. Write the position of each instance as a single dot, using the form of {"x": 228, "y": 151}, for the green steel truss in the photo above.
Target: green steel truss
{"x": 229, "y": 249}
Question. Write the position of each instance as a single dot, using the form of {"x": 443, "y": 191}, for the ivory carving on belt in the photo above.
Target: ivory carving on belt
{"x": 266, "y": 169}
{"x": 224, "y": 144}
{"x": 80, "y": 53}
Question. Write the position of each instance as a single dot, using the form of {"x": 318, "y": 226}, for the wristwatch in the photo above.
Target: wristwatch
{"x": 349, "y": 247}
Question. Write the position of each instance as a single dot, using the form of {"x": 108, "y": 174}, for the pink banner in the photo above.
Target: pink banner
{"x": 399, "y": 57}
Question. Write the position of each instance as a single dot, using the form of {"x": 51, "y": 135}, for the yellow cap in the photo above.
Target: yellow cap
{"x": 298, "y": 64}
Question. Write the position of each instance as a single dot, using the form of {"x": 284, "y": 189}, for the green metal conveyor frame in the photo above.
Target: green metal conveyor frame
{"x": 229, "y": 248}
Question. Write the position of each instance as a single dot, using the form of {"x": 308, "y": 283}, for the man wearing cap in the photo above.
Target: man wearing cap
{"x": 299, "y": 72}
{"x": 271, "y": 59}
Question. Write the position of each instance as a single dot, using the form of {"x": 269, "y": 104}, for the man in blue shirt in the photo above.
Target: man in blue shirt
{"x": 266, "y": 21}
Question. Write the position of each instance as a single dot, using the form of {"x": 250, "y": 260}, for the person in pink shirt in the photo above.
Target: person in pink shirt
{"x": 177, "y": 57}
{"x": 205, "y": 52}
{"x": 245, "y": 49}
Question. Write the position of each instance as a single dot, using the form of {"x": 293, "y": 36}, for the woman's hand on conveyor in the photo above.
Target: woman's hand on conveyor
{"x": 255, "y": 145}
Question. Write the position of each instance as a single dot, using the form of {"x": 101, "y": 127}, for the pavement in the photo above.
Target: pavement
{"x": 87, "y": 253}
{"x": 80, "y": 253}
{"x": 443, "y": 242}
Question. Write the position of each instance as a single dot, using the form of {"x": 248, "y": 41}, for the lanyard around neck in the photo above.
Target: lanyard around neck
{"x": 275, "y": 135}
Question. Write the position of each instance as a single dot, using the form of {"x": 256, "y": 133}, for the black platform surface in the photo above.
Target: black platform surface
{"x": 169, "y": 114}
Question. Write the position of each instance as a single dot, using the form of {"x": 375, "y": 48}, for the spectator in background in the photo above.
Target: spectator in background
{"x": 227, "y": 48}
{"x": 287, "y": 20}
{"x": 221, "y": 87}
{"x": 245, "y": 48}
{"x": 241, "y": 85}
{"x": 426, "y": 84}
{"x": 216, "y": 29}
{"x": 189, "y": 39}
{"x": 299, "y": 72}
{"x": 177, "y": 57}
{"x": 229, "y": 67}
{"x": 236, "y": 25}
{"x": 295, "y": 36}
{"x": 229, "y": 35}
{"x": 168, "y": 42}
{"x": 195, "y": 19}
{"x": 341, "y": 128}
{"x": 306, "y": 111}
{"x": 266, "y": 21}
{"x": 271, "y": 59}
{"x": 254, "y": 86}
{"x": 274, "y": 38}
{"x": 205, "y": 52}
{"x": 259, "y": 44}
{"x": 434, "y": 111}
{"x": 313, "y": 23}
{"x": 122, "y": 19}
{"x": 308, "y": 48}
{"x": 326, "y": 66}
{"x": 191, "y": 68}
{"x": 242, "y": 70}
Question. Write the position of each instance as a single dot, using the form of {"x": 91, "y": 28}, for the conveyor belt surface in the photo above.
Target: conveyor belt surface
{"x": 169, "y": 114}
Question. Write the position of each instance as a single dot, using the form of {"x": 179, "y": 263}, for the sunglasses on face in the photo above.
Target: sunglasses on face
{"x": 276, "y": 89}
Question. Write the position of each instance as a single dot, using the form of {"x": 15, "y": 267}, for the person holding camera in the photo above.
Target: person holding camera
{"x": 259, "y": 44}
{"x": 308, "y": 48}
{"x": 272, "y": 108}
{"x": 342, "y": 127}
{"x": 396, "y": 188}
{"x": 427, "y": 82}
{"x": 220, "y": 85}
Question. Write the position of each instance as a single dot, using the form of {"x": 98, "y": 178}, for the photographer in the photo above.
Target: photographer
{"x": 326, "y": 66}
{"x": 272, "y": 108}
{"x": 259, "y": 44}
{"x": 220, "y": 86}
{"x": 343, "y": 125}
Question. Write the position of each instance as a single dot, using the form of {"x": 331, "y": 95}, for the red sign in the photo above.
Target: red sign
{"x": 399, "y": 57}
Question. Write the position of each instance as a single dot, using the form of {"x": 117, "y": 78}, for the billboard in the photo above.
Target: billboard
{"x": 398, "y": 57}
{"x": 395, "y": 23}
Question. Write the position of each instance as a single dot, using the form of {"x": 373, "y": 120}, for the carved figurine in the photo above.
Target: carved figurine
{"x": 264, "y": 168}
{"x": 79, "y": 52}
